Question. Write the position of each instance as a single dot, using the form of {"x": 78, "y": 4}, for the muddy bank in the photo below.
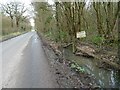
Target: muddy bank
{"x": 60, "y": 59}
{"x": 66, "y": 76}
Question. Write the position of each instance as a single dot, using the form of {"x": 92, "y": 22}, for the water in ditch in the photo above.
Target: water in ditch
{"x": 105, "y": 78}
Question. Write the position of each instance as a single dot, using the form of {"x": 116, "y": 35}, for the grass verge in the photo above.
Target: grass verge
{"x": 11, "y": 35}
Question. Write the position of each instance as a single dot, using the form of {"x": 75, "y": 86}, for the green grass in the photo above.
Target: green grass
{"x": 11, "y": 35}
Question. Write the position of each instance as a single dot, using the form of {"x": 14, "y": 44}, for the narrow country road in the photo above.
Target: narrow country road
{"x": 24, "y": 64}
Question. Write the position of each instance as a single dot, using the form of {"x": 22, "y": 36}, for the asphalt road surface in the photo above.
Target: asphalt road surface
{"x": 24, "y": 64}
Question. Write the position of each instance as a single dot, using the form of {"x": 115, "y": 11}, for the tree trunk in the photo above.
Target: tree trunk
{"x": 11, "y": 21}
{"x": 17, "y": 22}
{"x": 57, "y": 20}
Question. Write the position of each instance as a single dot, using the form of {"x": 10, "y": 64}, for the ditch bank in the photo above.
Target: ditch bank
{"x": 68, "y": 74}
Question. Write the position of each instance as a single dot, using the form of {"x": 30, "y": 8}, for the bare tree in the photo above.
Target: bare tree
{"x": 19, "y": 11}
{"x": 9, "y": 10}
{"x": 14, "y": 9}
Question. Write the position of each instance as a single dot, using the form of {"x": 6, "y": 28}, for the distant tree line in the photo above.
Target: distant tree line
{"x": 13, "y": 19}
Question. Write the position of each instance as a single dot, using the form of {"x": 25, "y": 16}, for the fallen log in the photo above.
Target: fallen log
{"x": 85, "y": 51}
{"x": 113, "y": 64}
{"x": 65, "y": 46}
{"x": 80, "y": 53}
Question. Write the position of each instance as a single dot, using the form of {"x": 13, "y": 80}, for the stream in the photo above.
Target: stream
{"x": 105, "y": 78}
